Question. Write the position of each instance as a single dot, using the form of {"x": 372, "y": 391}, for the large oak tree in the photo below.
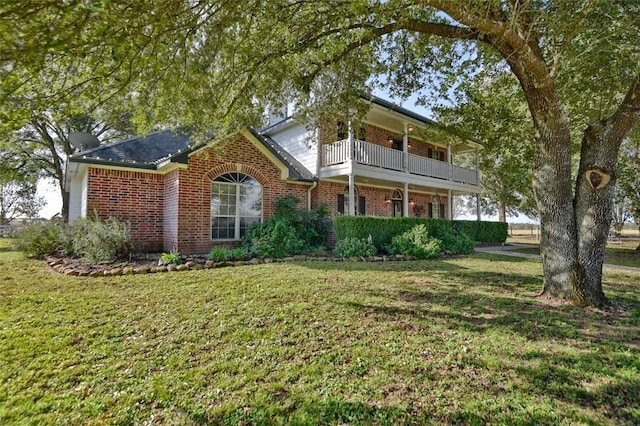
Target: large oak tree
{"x": 217, "y": 64}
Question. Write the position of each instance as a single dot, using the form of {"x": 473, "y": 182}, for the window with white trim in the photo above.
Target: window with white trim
{"x": 236, "y": 203}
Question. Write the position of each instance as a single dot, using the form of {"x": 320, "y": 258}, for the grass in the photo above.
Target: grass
{"x": 621, "y": 253}
{"x": 456, "y": 341}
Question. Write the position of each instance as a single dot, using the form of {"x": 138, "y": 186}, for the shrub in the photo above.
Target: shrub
{"x": 273, "y": 238}
{"x": 416, "y": 242}
{"x": 219, "y": 254}
{"x": 171, "y": 258}
{"x": 355, "y": 247}
{"x": 40, "y": 239}
{"x": 383, "y": 229}
{"x": 290, "y": 231}
{"x": 95, "y": 240}
{"x": 456, "y": 242}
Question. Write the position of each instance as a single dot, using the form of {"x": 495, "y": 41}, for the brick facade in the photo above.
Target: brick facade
{"x": 133, "y": 197}
{"x": 173, "y": 210}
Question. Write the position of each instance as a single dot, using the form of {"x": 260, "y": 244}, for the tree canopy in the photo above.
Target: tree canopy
{"x": 216, "y": 65}
{"x": 491, "y": 110}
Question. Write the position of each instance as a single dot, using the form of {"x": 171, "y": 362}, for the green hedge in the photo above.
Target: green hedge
{"x": 383, "y": 229}
{"x": 483, "y": 232}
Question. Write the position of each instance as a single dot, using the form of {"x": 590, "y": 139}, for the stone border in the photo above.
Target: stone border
{"x": 59, "y": 265}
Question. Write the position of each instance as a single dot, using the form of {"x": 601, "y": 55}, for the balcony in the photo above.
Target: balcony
{"x": 369, "y": 154}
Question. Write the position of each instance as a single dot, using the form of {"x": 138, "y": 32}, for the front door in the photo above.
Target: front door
{"x": 397, "y": 208}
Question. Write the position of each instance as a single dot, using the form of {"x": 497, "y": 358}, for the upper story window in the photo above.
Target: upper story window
{"x": 236, "y": 203}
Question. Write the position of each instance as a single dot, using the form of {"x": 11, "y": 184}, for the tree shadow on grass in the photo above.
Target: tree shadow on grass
{"x": 341, "y": 412}
{"x": 414, "y": 265}
{"x": 572, "y": 378}
{"x": 601, "y": 369}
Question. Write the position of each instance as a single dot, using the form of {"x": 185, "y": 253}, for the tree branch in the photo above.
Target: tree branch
{"x": 628, "y": 112}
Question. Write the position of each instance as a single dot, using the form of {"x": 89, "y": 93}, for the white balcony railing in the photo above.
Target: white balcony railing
{"x": 392, "y": 159}
{"x": 464, "y": 175}
{"x": 376, "y": 155}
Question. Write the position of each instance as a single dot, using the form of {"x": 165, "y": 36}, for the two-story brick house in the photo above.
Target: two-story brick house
{"x": 191, "y": 198}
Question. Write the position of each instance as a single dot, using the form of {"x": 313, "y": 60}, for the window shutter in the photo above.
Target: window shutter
{"x": 441, "y": 156}
{"x": 341, "y": 203}
{"x": 429, "y": 210}
{"x": 442, "y": 211}
{"x": 361, "y": 203}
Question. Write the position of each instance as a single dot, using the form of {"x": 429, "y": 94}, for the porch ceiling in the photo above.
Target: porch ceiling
{"x": 391, "y": 185}
{"x": 394, "y": 122}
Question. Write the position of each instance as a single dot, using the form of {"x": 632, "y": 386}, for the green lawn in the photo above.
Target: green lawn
{"x": 622, "y": 253}
{"x": 456, "y": 341}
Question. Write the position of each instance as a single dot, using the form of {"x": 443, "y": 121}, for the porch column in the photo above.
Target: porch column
{"x": 449, "y": 204}
{"x": 449, "y": 161}
{"x": 352, "y": 200}
{"x": 405, "y": 201}
{"x": 477, "y": 169}
{"x": 478, "y": 207}
{"x": 405, "y": 150}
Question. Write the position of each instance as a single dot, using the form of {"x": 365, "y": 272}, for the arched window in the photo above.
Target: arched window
{"x": 236, "y": 203}
{"x": 436, "y": 210}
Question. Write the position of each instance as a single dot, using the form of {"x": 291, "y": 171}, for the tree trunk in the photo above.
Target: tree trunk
{"x": 594, "y": 192}
{"x": 502, "y": 212}
{"x": 552, "y": 188}
{"x": 65, "y": 205}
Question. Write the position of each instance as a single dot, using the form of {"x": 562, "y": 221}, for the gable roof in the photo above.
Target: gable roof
{"x": 143, "y": 152}
{"x": 296, "y": 170}
{"x": 151, "y": 151}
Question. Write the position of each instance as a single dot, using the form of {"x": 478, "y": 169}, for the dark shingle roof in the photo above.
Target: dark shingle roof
{"x": 397, "y": 108}
{"x": 141, "y": 151}
{"x": 147, "y": 152}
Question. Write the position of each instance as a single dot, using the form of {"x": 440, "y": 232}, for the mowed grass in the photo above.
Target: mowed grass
{"x": 455, "y": 341}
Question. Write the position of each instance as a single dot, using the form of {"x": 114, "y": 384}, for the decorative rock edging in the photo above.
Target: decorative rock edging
{"x": 59, "y": 265}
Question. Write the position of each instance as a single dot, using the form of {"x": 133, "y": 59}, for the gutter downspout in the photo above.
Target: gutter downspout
{"x": 311, "y": 188}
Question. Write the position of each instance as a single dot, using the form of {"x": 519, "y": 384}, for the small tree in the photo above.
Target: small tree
{"x": 17, "y": 190}
{"x": 18, "y": 199}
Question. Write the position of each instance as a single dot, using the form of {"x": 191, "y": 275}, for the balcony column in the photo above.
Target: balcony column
{"x": 477, "y": 173}
{"x": 478, "y": 207}
{"x": 449, "y": 161}
{"x": 405, "y": 149}
{"x": 405, "y": 201}
{"x": 449, "y": 204}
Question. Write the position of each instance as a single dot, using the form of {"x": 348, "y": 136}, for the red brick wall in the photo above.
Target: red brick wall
{"x": 170, "y": 218}
{"x": 131, "y": 196}
{"x": 194, "y": 198}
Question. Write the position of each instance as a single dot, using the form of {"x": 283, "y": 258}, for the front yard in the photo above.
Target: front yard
{"x": 456, "y": 341}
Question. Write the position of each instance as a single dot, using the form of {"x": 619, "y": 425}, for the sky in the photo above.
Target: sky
{"x": 52, "y": 196}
